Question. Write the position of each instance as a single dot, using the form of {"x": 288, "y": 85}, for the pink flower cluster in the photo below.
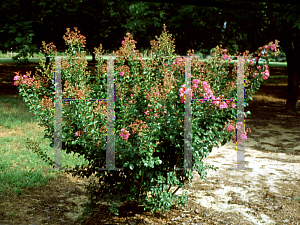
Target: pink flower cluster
{"x": 272, "y": 47}
{"x": 23, "y": 79}
{"x": 126, "y": 39}
{"x": 124, "y": 134}
{"x": 264, "y": 74}
{"x": 238, "y": 127}
{"x": 206, "y": 95}
{"x": 226, "y": 56}
{"x": 179, "y": 62}
{"x": 78, "y": 133}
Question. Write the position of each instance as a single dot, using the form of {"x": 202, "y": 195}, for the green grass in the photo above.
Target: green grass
{"x": 35, "y": 59}
{"x": 19, "y": 167}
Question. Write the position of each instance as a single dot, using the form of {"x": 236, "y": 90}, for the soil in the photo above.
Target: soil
{"x": 266, "y": 194}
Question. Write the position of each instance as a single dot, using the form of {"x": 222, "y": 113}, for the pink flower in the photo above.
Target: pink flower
{"x": 225, "y": 50}
{"x": 76, "y": 134}
{"x": 267, "y": 72}
{"x": 122, "y": 73}
{"x": 242, "y": 137}
{"x": 196, "y": 81}
{"x": 130, "y": 101}
{"x": 206, "y": 89}
{"x": 217, "y": 102}
{"x": 127, "y": 33}
{"x": 124, "y": 134}
{"x": 131, "y": 95}
{"x": 126, "y": 98}
{"x": 23, "y": 82}
{"x": 239, "y": 125}
{"x": 194, "y": 86}
{"x": 229, "y": 128}
{"x": 25, "y": 76}
{"x": 146, "y": 112}
{"x": 165, "y": 111}
{"x": 16, "y": 77}
{"x": 181, "y": 94}
{"x": 223, "y": 105}
{"x": 225, "y": 56}
{"x": 122, "y": 42}
{"x": 232, "y": 105}
{"x": 140, "y": 59}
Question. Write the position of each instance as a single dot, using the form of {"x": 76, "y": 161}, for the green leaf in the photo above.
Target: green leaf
{"x": 126, "y": 164}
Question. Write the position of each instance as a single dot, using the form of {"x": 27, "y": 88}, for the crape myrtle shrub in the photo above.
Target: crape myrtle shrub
{"x": 151, "y": 153}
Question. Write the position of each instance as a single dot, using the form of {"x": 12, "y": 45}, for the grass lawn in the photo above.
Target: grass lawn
{"x": 4, "y": 58}
{"x": 19, "y": 167}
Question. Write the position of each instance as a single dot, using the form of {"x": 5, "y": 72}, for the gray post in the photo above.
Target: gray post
{"x": 58, "y": 120}
{"x": 240, "y": 115}
{"x": 110, "y": 150}
{"x": 188, "y": 154}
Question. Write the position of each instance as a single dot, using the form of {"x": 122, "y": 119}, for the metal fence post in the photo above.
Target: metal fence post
{"x": 240, "y": 116}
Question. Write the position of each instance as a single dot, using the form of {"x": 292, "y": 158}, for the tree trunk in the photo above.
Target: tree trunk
{"x": 93, "y": 55}
{"x": 293, "y": 72}
{"x": 47, "y": 60}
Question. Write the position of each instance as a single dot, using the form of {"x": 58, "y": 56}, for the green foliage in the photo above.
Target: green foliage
{"x": 23, "y": 32}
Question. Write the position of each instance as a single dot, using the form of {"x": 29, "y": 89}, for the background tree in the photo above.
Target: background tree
{"x": 25, "y": 24}
{"x": 106, "y": 22}
{"x": 283, "y": 26}
{"x": 186, "y": 23}
{"x": 286, "y": 28}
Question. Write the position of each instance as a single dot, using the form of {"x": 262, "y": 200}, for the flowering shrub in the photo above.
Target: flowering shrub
{"x": 149, "y": 112}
